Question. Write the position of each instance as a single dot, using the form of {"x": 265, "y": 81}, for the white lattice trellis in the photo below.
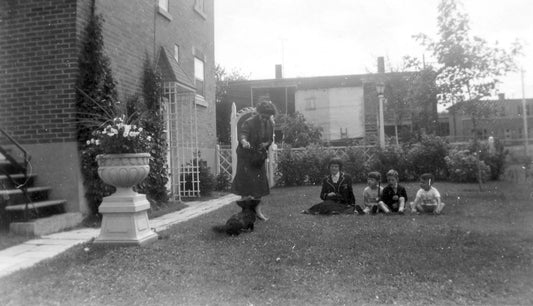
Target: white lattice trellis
{"x": 182, "y": 140}
{"x": 224, "y": 160}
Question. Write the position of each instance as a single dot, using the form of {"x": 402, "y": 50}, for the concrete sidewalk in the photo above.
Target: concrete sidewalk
{"x": 31, "y": 252}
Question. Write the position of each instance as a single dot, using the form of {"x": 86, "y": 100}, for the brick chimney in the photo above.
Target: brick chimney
{"x": 381, "y": 64}
{"x": 279, "y": 72}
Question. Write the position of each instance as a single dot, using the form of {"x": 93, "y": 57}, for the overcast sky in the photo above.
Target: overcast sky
{"x": 336, "y": 37}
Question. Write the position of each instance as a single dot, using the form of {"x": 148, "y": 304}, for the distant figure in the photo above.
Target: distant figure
{"x": 255, "y": 137}
{"x": 394, "y": 195}
{"x": 491, "y": 145}
{"x": 428, "y": 197}
{"x": 336, "y": 193}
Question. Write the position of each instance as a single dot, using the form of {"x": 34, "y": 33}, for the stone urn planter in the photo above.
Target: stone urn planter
{"x": 125, "y": 218}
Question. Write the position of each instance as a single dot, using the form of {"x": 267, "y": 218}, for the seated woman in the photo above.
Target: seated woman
{"x": 337, "y": 193}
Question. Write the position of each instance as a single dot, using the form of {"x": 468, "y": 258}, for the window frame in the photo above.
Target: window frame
{"x": 177, "y": 52}
{"x": 164, "y": 11}
{"x": 198, "y": 60}
{"x": 310, "y": 104}
{"x": 163, "y": 4}
{"x": 199, "y": 7}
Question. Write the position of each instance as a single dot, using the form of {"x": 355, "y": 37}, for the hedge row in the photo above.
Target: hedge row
{"x": 430, "y": 154}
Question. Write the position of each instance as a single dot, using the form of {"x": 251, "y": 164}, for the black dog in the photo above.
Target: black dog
{"x": 240, "y": 222}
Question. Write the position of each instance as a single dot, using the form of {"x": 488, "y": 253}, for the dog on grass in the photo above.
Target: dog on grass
{"x": 242, "y": 221}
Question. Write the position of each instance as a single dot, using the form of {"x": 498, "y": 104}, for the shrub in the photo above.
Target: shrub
{"x": 391, "y": 157}
{"x": 462, "y": 167}
{"x": 356, "y": 164}
{"x": 494, "y": 159}
{"x": 94, "y": 83}
{"x": 314, "y": 164}
{"x": 95, "y": 188}
{"x": 288, "y": 171}
{"x": 223, "y": 182}
{"x": 427, "y": 156}
{"x": 205, "y": 177}
{"x": 155, "y": 185}
{"x": 308, "y": 167}
{"x": 305, "y": 167}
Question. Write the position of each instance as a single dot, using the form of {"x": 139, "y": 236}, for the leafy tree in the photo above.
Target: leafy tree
{"x": 398, "y": 105}
{"x": 469, "y": 67}
{"x": 422, "y": 96}
{"x": 297, "y": 131}
{"x": 223, "y": 105}
{"x": 411, "y": 93}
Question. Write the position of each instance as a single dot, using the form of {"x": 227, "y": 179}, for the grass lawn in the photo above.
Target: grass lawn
{"x": 480, "y": 251}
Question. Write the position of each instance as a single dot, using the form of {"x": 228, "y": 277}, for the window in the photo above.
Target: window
{"x": 507, "y": 133}
{"x": 519, "y": 110}
{"x": 199, "y": 7}
{"x": 177, "y": 53}
{"x": 163, "y": 9}
{"x": 344, "y": 134}
{"x": 163, "y": 4}
{"x": 310, "y": 103}
{"x": 199, "y": 76}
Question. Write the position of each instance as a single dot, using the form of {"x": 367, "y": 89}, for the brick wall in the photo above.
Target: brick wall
{"x": 38, "y": 66}
{"x": 199, "y": 37}
{"x": 129, "y": 38}
{"x": 371, "y": 113}
{"x": 134, "y": 31}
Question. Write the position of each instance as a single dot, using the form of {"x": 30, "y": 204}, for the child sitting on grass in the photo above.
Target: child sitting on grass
{"x": 428, "y": 197}
{"x": 394, "y": 195}
{"x": 372, "y": 194}
{"x": 336, "y": 194}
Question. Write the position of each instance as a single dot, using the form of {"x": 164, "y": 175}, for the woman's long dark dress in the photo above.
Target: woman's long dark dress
{"x": 249, "y": 179}
{"x": 342, "y": 202}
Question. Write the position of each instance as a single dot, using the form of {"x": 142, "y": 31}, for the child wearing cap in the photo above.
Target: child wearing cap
{"x": 394, "y": 195}
{"x": 428, "y": 197}
{"x": 372, "y": 194}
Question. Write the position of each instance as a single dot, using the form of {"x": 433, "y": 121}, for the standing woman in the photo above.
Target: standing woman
{"x": 255, "y": 137}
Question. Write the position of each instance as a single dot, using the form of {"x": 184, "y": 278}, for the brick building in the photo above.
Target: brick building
{"x": 40, "y": 43}
{"x": 506, "y": 121}
{"x": 345, "y": 106}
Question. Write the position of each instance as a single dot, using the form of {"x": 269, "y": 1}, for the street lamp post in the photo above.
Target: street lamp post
{"x": 524, "y": 116}
{"x": 380, "y": 88}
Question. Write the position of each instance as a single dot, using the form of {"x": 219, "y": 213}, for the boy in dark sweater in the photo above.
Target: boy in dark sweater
{"x": 394, "y": 195}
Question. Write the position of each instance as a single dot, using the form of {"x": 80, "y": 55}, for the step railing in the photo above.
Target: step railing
{"x": 21, "y": 169}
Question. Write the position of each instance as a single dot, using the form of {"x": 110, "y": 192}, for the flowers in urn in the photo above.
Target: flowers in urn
{"x": 118, "y": 137}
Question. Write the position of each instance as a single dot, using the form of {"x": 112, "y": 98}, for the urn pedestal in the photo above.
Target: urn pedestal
{"x": 125, "y": 219}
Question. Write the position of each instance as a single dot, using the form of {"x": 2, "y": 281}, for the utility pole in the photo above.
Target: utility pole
{"x": 524, "y": 115}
